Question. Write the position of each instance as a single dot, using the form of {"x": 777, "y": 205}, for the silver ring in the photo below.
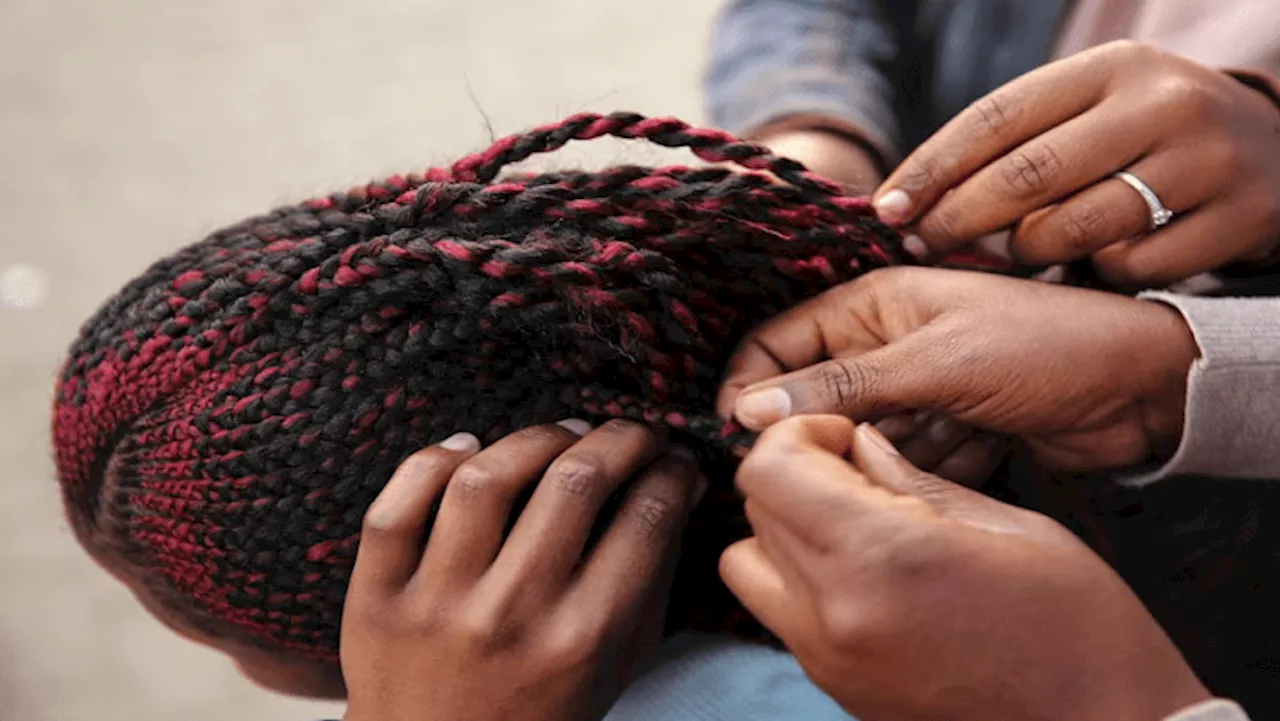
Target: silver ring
{"x": 1160, "y": 215}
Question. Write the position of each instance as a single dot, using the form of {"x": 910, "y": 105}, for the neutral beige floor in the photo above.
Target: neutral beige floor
{"x": 130, "y": 127}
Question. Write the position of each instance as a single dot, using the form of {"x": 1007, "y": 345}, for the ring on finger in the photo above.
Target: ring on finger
{"x": 1160, "y": 215}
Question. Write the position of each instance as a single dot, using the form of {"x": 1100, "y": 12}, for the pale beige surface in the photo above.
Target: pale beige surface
{"x": 130, "y": 127}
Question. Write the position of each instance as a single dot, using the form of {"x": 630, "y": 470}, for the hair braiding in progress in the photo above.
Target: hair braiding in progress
{"x": 222, "y": 424}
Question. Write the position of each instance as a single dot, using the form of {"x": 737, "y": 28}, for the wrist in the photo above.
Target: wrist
{"x": 1173, "y": 351}
{"x": 831, "y": 128}
{"x": 828, "y": 153}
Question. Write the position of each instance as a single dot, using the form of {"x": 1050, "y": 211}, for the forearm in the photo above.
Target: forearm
{"x": 781, "y": 64}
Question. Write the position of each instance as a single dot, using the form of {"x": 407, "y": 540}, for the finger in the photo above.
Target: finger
{"x": 800, "y": 337}
{"x": 789, "y": 552}
{"x": 1045, "y": 169}
{"x": 798, "y": 473}
{"x": 884, "y": 467}
{"x": 987, "y": 129}
{"x": 1193, "y": 244}
{"x": 757, "y": 583}
{"x": 396, "y": 523}
{"x": 548, "y": 539}
{"x": 907, "y": 373}
{"x": 477, "y": 502}
{"x": 887, "y": 469}
{"x": 1111, "y": 211}
{"x": 934, "y": 442}
{"x": 900, "y": 427}
{"x": 626, "y": 564}
{"x": 972, "y": 464}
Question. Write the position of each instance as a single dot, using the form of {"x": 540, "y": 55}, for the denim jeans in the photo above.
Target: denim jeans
{"x": 700, "y": 677}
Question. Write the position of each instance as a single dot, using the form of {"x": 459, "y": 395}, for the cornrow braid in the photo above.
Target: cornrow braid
{"x": 222, "y": 424}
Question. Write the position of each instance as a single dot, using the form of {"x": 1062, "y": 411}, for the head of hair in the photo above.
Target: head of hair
{"x": 222, "y": 423}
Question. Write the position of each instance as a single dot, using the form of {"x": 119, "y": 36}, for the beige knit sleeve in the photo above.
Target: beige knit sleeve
{"x": 1233, "y": 391}
{"x": 1216, "y": 710}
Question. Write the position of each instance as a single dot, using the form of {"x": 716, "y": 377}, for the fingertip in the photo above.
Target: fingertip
{"x": 576, "y": 426}
{"x": 461, "y": 443}
{"x": 760, "y": 408}
{"x": 892, "y": 206}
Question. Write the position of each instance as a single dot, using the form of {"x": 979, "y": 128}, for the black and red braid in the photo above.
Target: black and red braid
{"x": 222, "y": 424}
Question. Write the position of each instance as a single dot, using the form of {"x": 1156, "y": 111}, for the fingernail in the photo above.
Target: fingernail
{"x": 576, "y": 426}
{"x": 893, "y": 207}
{"x": 871, "y": 434}
{"x": 914, "y": 245}
{"x": 758, "y": 409}
{"x": 461, "y": 443}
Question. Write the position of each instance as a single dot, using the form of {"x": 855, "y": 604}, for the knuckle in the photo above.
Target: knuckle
{"x": 547, "y": 434}
{"x": 923, "y": 173}
{"x": 624, "y": 427}
{"x": 1080, "y": 226}
{"x": 473, "y": 481}
{"x": 942, "y": 227}
{"x": 576, "y": 475}
{"x": 845, "y": 624}
{"x": 379, "y": 525}
{"x": 991, "y": 115}
{"x": 1187, "y": 100}
{"x": 1031, "y": 173}
{"x": 419, "y": 462}
{"x": 913, "y": 557}
{"x": 1128, "y": 50}
{"x": 573, "y": 645}
{"x": 929, "y": 488}
{"x": 652, "y": 515}
{"x": 841, "y": 383}
{"x": 488, "y": 628}
{"x": 1227, "y": 157}
{"x": 420, "y": 619}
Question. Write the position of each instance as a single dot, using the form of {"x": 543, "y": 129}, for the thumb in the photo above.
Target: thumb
{"x": 906, "y": 373}
{"x": 881, "y": 463}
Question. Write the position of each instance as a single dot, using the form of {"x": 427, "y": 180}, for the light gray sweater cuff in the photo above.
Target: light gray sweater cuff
{"x": 1216, "y": 710}
{"x": 1232, "y": 427}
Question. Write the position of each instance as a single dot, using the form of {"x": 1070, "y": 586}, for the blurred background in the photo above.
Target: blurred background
{"x": 133, "y": 127}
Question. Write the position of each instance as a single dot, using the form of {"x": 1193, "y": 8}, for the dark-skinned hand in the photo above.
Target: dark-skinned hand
{"x": 1038, "y": 155}
{"x": 1088, "y": 380}
{"x": 466, "y": 623}
{"x": 909, "y": 598}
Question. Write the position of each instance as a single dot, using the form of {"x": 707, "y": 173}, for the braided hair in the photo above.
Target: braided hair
{"x": 222, "y": 424}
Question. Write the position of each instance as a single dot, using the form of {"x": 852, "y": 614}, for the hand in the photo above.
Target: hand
{"x": 541, "y": 626}
{"x": 827, "y": 153}
{"x": 946, "y": 447}
{"x": 1089, "y": 380}
{"x": 906, "y": 597}
{"x": 1040, "y": 152}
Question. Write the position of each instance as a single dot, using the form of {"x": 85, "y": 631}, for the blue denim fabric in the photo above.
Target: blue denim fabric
{"x": 896, "y": 69}
{"x": 713, "y": 678}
